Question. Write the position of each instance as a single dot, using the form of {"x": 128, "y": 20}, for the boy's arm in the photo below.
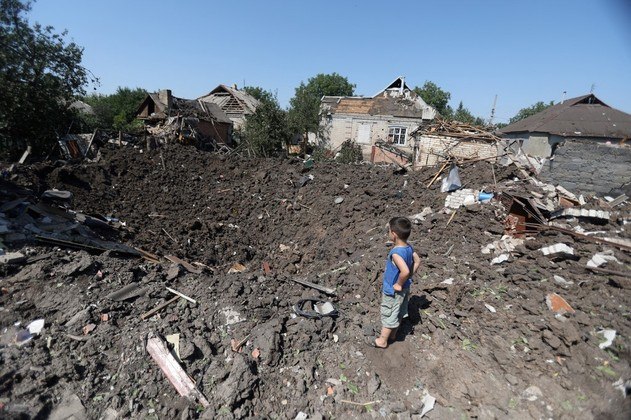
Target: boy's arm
{"x": 417, "y": 262}
{"x": 404, "y": 272}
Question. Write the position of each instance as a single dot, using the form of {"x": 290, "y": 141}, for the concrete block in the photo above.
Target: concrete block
{"x": 12, "y": 258}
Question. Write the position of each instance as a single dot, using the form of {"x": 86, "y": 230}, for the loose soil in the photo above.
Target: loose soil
{"x": 520, "y": 361}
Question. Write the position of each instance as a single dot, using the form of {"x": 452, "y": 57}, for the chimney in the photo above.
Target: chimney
{"x": 563, "y": 97}
{"x": 234, "y": 86}
{"x": 165, "y": 97}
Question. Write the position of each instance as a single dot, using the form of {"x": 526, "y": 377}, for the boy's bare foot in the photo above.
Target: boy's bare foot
{"x": 380, "y": 343}
{"x": 393, "y": 335}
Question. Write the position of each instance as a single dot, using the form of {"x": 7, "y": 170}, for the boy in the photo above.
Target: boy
{"x": 402, "y": 263}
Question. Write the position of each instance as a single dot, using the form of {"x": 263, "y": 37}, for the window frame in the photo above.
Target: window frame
{"x": 398, "y": 138}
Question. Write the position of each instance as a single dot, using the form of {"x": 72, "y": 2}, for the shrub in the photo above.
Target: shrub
{"x": 350, "y": 152}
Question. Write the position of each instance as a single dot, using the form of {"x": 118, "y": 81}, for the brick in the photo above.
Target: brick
{"x": 558, "y": 305}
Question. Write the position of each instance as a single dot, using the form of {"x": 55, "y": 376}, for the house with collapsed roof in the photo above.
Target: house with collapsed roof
{"x": 236, "y": 104}
{"x": 441, "y": 141}
{"x": 188, "y": 120}
{"x": 386, "y": 118}
{"x": 584, "y": 118}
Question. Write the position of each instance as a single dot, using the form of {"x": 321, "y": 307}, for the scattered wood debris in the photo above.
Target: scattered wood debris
{"x": 173, "y": 371}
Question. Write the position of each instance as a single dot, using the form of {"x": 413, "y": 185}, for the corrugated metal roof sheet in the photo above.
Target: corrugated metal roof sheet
{"x": 583, "y": 116}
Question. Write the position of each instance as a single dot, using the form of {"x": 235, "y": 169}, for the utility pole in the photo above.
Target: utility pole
{"x": 493, "y": 111}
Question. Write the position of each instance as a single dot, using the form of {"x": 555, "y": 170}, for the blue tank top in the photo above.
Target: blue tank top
{"x": 391, "y": 274}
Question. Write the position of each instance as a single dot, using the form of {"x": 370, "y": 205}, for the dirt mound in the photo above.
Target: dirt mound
{"x": 480, "y": 338}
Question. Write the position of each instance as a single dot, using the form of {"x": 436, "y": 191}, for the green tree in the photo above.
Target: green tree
{"x": 436, "y": 97}
{"x": 304, "y": 111}
{"x": 531, "y": 110}
{"x": 116, "y": 111}
{"x": 266, "y": 130}
{"x": 463, "y": 115}
{"x": 40, "y": 74}
{"x": 258, "y": 93}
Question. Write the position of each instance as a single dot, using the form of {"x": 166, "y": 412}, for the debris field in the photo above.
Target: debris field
{"x": 171, "y": 284}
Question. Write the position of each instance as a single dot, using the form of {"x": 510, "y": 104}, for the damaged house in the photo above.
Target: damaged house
{"x": 188, "y": 121}
{"x": 580, "y": 143}
{"x": 380, "y": 124}
{"x": 443, "y": 141}
{"x": 584, "y": 118}
{"x": 236, "y": 104}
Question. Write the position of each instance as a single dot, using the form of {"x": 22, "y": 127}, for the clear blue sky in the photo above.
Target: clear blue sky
{"x": 523, "y": 51}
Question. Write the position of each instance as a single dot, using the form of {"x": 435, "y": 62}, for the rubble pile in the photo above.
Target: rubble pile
{"x": 251, "y": 287}
{"x": 457, "y": 129}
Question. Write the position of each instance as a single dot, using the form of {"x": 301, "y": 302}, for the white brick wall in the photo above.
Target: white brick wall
{"x": 434, "y": 149}
{"x": 344, "y": 127}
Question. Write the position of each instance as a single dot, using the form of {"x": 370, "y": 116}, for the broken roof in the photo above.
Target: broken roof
{"x": 456, "y": 129}
{"x": 187, "y": 108}
{"x": 583, "y": 116}
{"x": 231, "y": 100}
{"x": 405, "y": 103}
{"x": 380, "y": 105}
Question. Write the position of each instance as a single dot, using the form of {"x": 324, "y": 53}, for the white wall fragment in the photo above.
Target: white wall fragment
{"x": 609, "y": 336}
{"x": 601, "y": 258}
{"x": 557, "y": 249}
{"x": 499, "y": 259}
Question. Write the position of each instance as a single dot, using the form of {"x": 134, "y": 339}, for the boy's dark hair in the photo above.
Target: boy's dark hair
{"x": 401, "y": 226}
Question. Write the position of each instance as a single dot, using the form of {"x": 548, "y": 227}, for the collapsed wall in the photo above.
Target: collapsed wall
{"x": 437, "y": 149}
{"x": 588, "y": 167}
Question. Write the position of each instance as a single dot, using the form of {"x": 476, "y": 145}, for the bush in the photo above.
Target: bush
{"x": 321, "y": 154}
{"x": 350, "y": 152}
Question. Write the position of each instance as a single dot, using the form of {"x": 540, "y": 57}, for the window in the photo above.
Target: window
{"x": 396, "y": 135}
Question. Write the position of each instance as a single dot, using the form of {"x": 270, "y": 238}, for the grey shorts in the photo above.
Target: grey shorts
{"x": 394, "y": 308}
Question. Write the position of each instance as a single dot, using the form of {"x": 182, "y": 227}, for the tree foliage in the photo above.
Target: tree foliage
{"x": 259, "y": 93}
{"x": 116, "y": 111}
{"x": 304, "y": 111}
{"x": 463, "y": 114}
{"x": 40, "y": 73}
{"x": 350, "y": 152}
{"x": 436, "y": 97}
{"x": 266, "y": 130}
{"x": 531, "y": 110}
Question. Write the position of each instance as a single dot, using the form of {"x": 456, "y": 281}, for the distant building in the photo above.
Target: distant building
{"x": 82, "y": 107}
{"x": 389, "y": 117}
{"x": 189, "y": 119}
{"x": 584, "y": 118}
{"x": 236, "y": 104}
